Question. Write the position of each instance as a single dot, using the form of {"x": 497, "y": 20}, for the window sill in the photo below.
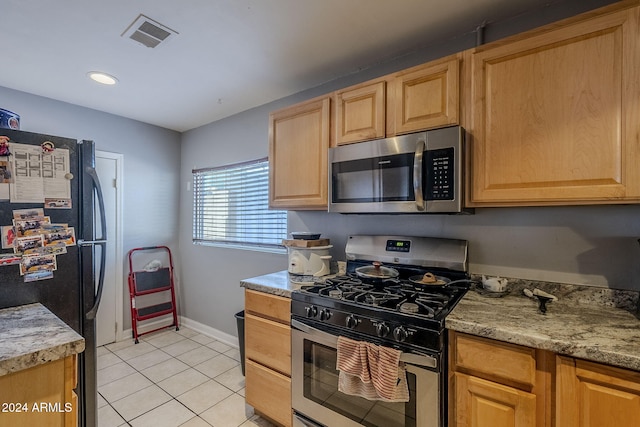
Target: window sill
{"x": 274, "y": 250}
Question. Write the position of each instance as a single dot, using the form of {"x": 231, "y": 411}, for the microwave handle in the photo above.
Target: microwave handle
{"x": 417, "y": 175}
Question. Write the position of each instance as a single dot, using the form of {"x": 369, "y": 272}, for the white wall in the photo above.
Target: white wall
{"x": 587, "y": 245}
{"x": 151, "y": 165}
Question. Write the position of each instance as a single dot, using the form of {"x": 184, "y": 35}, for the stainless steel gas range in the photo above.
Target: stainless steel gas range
{"x": 397, "y": 293}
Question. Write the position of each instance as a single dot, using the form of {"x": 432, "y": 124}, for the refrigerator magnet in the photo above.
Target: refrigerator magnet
{"x": 47, "y": 147}
{"x": 4, "y": 146}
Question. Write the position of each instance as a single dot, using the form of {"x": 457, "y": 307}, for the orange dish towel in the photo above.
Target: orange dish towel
{"x": 371, "y": 371}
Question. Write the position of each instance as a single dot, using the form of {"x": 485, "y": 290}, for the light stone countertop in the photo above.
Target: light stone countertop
{"x": 586, "y": 322}
{"x": 274, "y": 283}
{"x": 589, "y": 323}
{"x": 32, "y": 335}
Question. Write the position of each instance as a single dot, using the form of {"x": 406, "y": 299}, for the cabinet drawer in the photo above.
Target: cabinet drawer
{"x": 268, "y": 392}
{"x": 495, "y": 360}
{"x": 269, "y": 343}
{"x": 266, "y": 305}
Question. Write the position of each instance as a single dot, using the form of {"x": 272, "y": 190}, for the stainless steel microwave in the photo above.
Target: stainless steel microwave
{"x": 415, "y": 173}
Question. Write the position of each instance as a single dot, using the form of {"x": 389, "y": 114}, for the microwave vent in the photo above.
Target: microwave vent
{"x": 148, "y": 32}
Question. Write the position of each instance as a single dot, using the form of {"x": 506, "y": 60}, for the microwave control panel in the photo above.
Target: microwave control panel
{"x": 440, "y": 174}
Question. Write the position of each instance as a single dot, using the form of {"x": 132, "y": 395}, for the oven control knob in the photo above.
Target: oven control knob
{"x": 400, "y": 333}
{"x": 325, "y": 314}
{"x": 382, "y": 330}
{"x": 351, "y": 321}
{"x": 311, "y": 311}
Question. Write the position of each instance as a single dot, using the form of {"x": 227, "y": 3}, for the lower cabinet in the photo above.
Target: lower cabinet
{"x": 269, "y": 392}
{"x": 268, "y": 355}
{"x": 486, "y": 403}
{"x": 495, "y": 384}
{"x": 594, "y": 395}
{"x": 40, "y": 396}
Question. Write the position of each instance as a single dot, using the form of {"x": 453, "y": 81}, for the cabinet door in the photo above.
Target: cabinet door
{"x": 40, "y": 396}
{"x": 268, "y": 392}
{"x": 554, "y": 115}
{"x": 594, "y": 395}
{"x": 360, "y": 113}
{"x": 298, "y": 147}
{"x": 481, "y": 403}
{"x": 425, "y": 97}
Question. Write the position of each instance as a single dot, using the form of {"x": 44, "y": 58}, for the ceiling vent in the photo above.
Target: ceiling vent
{"x": 148, "y": 32}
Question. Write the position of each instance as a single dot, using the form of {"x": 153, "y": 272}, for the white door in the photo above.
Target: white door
{"x": 109, "y": 317}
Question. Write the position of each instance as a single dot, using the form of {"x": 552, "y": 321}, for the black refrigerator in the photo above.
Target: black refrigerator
{"x": 72, "y": 291}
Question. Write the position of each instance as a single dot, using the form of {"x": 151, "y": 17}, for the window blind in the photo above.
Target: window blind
{"x": 231, "y": 207}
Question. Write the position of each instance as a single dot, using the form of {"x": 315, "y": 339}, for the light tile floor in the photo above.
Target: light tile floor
{"x": 170, "y": 379}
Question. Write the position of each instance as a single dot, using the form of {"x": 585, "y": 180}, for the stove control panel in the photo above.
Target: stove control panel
{"x": 398, "y": 245}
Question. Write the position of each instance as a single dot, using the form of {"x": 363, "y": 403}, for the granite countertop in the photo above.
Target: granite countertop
{"x": 589, "y": 323}
{"x": 32, "y": 335}
{"x": 586, "y": 322}
{"x": 275, "y": 283}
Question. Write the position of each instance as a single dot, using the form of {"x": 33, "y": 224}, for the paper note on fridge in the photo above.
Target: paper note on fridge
{"x": 37, "y": 175}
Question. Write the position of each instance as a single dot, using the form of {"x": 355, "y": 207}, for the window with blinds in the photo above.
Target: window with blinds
{"x": 231, "y": 207}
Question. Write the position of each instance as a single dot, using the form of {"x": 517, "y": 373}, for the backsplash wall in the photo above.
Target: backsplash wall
{"x": 587, "y": 245}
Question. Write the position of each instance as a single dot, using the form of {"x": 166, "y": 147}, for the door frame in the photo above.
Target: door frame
{"x": 119, "y": 159}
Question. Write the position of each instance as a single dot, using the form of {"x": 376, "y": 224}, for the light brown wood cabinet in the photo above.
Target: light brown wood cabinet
{"x": 268, "y": 355}
{"x": 299, "y": 138}
{"x": 590, "y": 394}
{"x": 426, "y": 96}
{"x": 422, "y": 97}
{"x": 360, "y": 112}
{"x": 554, "y": 113}
{"x": 41, "y": 396}
{"x": 494, "y": 384}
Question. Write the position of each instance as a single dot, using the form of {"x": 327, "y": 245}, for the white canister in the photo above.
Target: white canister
{"x": 313, "y": 261}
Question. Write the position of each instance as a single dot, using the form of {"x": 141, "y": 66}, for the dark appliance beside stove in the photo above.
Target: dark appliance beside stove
{"x": 400, "y": 312}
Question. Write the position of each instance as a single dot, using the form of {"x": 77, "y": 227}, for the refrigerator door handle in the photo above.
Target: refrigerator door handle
{"x": 82, "y": 242}
{"x": 100, "y": 241}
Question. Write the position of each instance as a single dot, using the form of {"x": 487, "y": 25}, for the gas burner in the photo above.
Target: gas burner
{"x": 377, "y": 299}
{"x": 335, "y": 293}
{"x": 343, "y": 280}
{"x": 409, "y": 307}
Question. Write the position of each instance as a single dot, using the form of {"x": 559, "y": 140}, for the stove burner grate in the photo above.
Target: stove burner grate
{"x": 397, "y": 295}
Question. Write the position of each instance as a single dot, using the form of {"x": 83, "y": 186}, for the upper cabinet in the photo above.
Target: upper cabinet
{"x": 298, "y": 149}
{"x": 360, "y": 112}
{"x": 426, "y": 96}
{"x": 419, "y": 98}
{"x": 554, "y": 114}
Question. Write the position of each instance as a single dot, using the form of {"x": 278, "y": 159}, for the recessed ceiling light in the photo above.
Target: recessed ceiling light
{"x": 101, "y": 77}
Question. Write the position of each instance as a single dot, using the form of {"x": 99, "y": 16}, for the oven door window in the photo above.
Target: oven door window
{"x": 321, "y": 386}
{"x": 378, "y": 179}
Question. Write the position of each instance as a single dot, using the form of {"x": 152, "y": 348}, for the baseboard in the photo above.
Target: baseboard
{"x": 191, "y": 324}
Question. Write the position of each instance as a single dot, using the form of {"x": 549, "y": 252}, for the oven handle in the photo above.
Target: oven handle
{"x": 413, "y": 358}
{"x": 417, "y": 174}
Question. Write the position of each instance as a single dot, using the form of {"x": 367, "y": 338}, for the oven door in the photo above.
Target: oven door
{"x": 317, "y": 401}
